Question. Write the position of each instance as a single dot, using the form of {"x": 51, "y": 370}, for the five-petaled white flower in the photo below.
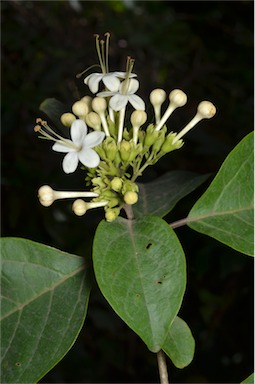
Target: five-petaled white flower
{"x": 111, "y": 80}
{"x": 125, "y": 94}
{"x": 80, "y": 147}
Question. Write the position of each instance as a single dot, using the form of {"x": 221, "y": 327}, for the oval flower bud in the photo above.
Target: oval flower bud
{"x": 67, "y": 119}
{"x": 130, "y": 197}
{"x": 80, "y": 108}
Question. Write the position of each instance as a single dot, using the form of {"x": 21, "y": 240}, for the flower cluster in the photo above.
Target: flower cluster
{"x": 114, "y": 151}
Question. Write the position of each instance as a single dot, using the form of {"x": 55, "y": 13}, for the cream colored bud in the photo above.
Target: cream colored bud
{"x": 67, "y": 119}
{"x": 130, "y": 197}
{"x": 87, "y": 100}
{"x": 80, "y": 108}
{"x": 93, "y": 120}
{"x": 46, "y": 195}
{"x": 178, "y": 97}
{"x": 206, "y": 109}
{"x": 138, "y": 118}
{"x": 79, "y": 207}
{"x": 157, "y": 96}
{"x": 99, "y": 104}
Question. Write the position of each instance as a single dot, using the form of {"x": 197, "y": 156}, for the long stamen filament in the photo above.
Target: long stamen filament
{"x": 98, "y": 49}
{"x": 107, "y": 34}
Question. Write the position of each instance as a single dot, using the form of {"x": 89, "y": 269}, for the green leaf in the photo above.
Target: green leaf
{"x": 44, "y": 301}
{"x": 54, "y": 109}
{"x": 179, "y": 344}
{"x": 249, "y": 379}
{"x": 140, "y": 269}
{"x": 159, "y": 196}
{"x": 226, "y": 210}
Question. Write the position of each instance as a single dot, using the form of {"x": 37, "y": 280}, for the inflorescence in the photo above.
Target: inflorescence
{"x": 114, "y": 151}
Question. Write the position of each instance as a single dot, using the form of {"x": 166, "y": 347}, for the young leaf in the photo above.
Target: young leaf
{"x": 140, "y": 269}
{"x": 225, "y": 211}
{"x": 179, "y": 344}
{"x": 159, "y": 196}
{"x": 53, "y": 109}
{"x": 44, "y": 301}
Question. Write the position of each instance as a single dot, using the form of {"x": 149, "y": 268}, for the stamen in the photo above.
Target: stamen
{"x": 107, "y": 34}
{"x": 47, "y": 195}
{"x": 177, "y": 99}
{"x": 205, "y": 110}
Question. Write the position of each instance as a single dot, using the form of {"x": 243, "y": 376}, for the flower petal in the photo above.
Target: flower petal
{"x": 111, "y": 82}
{"x": 78, "y": 131}
{"x": 137, "y": 102}
{"x": 93, "y": 139}
{"x": 122, "y": 75}
{"x": 58, "y": 147}
{"x": 70, "y": 162}
{"x": 93, "y": 81}
{"x": 106, "y": 94}
{"x": 133, "y": 86}
{"x": 118, "y": 102}
{"x": 89, "y": 157}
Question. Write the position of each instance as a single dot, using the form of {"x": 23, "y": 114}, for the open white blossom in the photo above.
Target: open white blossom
{"x": 125, "y": 94}
{"x": 80, "y": 147}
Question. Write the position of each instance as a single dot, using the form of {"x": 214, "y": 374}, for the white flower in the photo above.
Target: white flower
{"x": 126, "y": 94}
{"x": 80, "y": 147}
{"x": 110, "y": 80}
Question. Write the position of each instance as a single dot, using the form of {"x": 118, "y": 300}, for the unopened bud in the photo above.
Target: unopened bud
{"x": 99, "y": 104}
{"x": 206, "y": 109}
{"x": 130, "y": 197}
{"x": 178, "y": 98}
{"x": 116, "y": 184}
{"x": 157, "y": 97}
{"x": 67, "y": 119}
{"x": 79, "y": 207}
{"x": 80, "y": 108}
{"x": 112, "y": 214}
{"x": 93, "y": 120}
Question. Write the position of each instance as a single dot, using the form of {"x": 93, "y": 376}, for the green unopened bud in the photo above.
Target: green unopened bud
{"x": 93, "y": 120}
{"x": 116, "y": 184}
{"x": 129, "y": 186}
{"x": 130, "y": 197}
{"x": 110, "y": 148}
{"x": 125, "y": 148}
{"x": 160, "y": 140}
{"x": 80, "y": 109}
{"x": 112, "y": 214}
{"x": 67, "y": 119}
{"x": 150, "y": 136}
{"x": 169, "y": 144}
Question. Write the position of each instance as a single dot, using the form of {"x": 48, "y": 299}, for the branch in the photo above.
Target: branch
{"x": 162, "y": 367}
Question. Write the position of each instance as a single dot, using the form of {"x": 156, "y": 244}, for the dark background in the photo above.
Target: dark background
{"x": 204, "y": 48}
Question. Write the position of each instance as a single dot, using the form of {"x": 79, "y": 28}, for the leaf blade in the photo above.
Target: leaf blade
{"x": 139, "y": 266}
{"x": 39, "y": 324}
{"x": 225, "y": 211}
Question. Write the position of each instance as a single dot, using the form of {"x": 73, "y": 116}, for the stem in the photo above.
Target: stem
{"x": 129, "y": 211}
{"x": 179, "y": 223}
{"x": 162, "y": 367}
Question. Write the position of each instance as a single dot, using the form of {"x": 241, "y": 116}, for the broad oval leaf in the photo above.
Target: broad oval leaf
{"x": 44, "y": 301}
{"x": 226, "y": 210}
{"x": 159, "y": 196}
{"x": 179, "y": 344}
{"x": 140, "y": 269}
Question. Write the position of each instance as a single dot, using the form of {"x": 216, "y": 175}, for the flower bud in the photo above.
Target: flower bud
{"x": 206, "y": 109}
{"x": 157, "y": 97}
{"x": 88, "y": 101}
{"x": 79, "y": 207}
{"x": 67, "y": 119}
{"x": 110, "y": 148}
{"x": 93, "y": 120}
{"x": 125, "y": 148}
{"x": 150, "y": 136}
{"x": 159, "y": 142}
{"x": 99, "y": 104}
{"x": 80, "y": 108}
{"x": 138, "y": 118}
{"x": 169, "y": 144}
{"x": 130, "y": 197}
{"x": 116, "y": 184}
{"x": 112, "y": 214}
{"x": 178, "y": 98}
